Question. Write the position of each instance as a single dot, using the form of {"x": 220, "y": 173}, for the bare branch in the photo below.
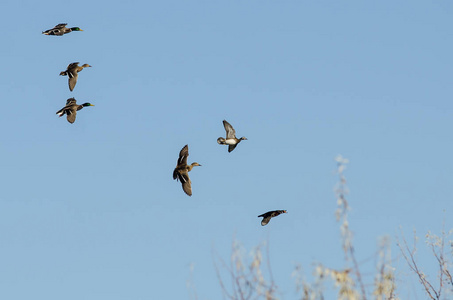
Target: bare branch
{"x": 247, "y": 279}
{"x": 436, "y": 243}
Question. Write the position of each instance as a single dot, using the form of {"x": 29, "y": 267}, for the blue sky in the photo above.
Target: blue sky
{"x": 90, "y": 210}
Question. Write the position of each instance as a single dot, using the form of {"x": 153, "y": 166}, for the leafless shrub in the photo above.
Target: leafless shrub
{"x": 243, "y": 280}
{"x": 443, "y": 286}
{"x": 384, "y": 283}
{"x": 246, "y": 278}
{"x": 310, "y": 291}
{"x": 348, "y": 281}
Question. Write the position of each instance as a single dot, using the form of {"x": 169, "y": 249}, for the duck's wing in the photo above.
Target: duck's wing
{"x": 186, "y": 184}
{"x": 175, "y": 174}
{"x": 72, "y": 80}
{"x": 57, "y": 30}
{"x": 230, "y": 133}
{"x": 73, "y": 65}
{"x": 183, "y": 154}
{"x": 231, "y": 147}
{"x": 185, "y": 181}
{"x": 71, "y": 101}
{"x": 61, "y": 112}
{"x": 265, "y": 220}
{"x": 61, "y": 25}
{"x": 71, "y": 114}
{"x": 265, "y": 214}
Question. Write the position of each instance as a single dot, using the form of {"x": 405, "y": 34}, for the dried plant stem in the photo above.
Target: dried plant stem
{"x": 341, "y": 191}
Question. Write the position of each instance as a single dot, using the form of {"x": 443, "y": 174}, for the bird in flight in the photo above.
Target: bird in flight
{"x": 72, "y": 71}
{"x": 231, "y": 140}
{"x": 60, "y": 29}
{"x": 182, "y": 170}
{"x": 269, "y": 215}
{"x": 71, "y": 109}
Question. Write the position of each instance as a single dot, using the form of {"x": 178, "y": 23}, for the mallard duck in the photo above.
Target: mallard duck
{"x": 231, "y": 139}
{"x": 72, "y": 71}
{"x": 71, "y": 109}
{"x": 269, "y": 215}
{"x": 60, "y": 29}
{"x": 182, "y": 170}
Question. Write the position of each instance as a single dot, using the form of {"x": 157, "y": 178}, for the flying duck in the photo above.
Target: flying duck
{"x": 231, "y": 139}
{"x": 60, "y": 29}
{"x": 71, "y": 109}
{"x": 182, "y": 170}
{"x": 72, "y": 71}
{"x": 269, "y": 215}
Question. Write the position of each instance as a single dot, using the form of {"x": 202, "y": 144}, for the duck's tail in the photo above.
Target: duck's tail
{"x": 221, "y": 141}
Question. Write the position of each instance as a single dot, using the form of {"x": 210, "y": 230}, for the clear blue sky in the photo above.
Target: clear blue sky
{"x": 90, "y": 210}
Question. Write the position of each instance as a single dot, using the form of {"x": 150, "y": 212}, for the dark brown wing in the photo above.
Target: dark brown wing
{"x": 71, "y": 114}
{"x": 73, "y": 65}
{"x": 61, "y": 112}
{"x": 71, "y": 101}
{"x": 57, "y": 30}
{"x": 186, "y": 184}
{"x": 231, "y": 147}
{"x": 230, "y": 132}
{"x": 70, "y": 105}
{"x": 265, "y": 220}
{"x": 265, "y": 214}
{"x": 183, "y": 154}
{"x": 59, "y": 26}
{"x": 183, "y": 176}
{"x": 72, "y": 79}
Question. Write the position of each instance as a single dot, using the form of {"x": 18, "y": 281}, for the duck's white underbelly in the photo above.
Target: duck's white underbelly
{"x": 230, "y": 142}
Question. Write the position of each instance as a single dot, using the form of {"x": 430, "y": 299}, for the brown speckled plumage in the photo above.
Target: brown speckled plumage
{"x": 182, "y": 170}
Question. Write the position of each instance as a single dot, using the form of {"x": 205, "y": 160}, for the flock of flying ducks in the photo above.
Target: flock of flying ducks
{"x": 71, "y": 107}
{"x": 181, "y": 172}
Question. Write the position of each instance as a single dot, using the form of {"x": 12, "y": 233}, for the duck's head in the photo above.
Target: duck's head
{"x": 195, "y": 164}
{"x": 284, "y": 211}
{"x": 86, "y": 66}
{"x": 243, "y": 138}
{"x": 75, "y": 29}
{"x": 87, "y": 104}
